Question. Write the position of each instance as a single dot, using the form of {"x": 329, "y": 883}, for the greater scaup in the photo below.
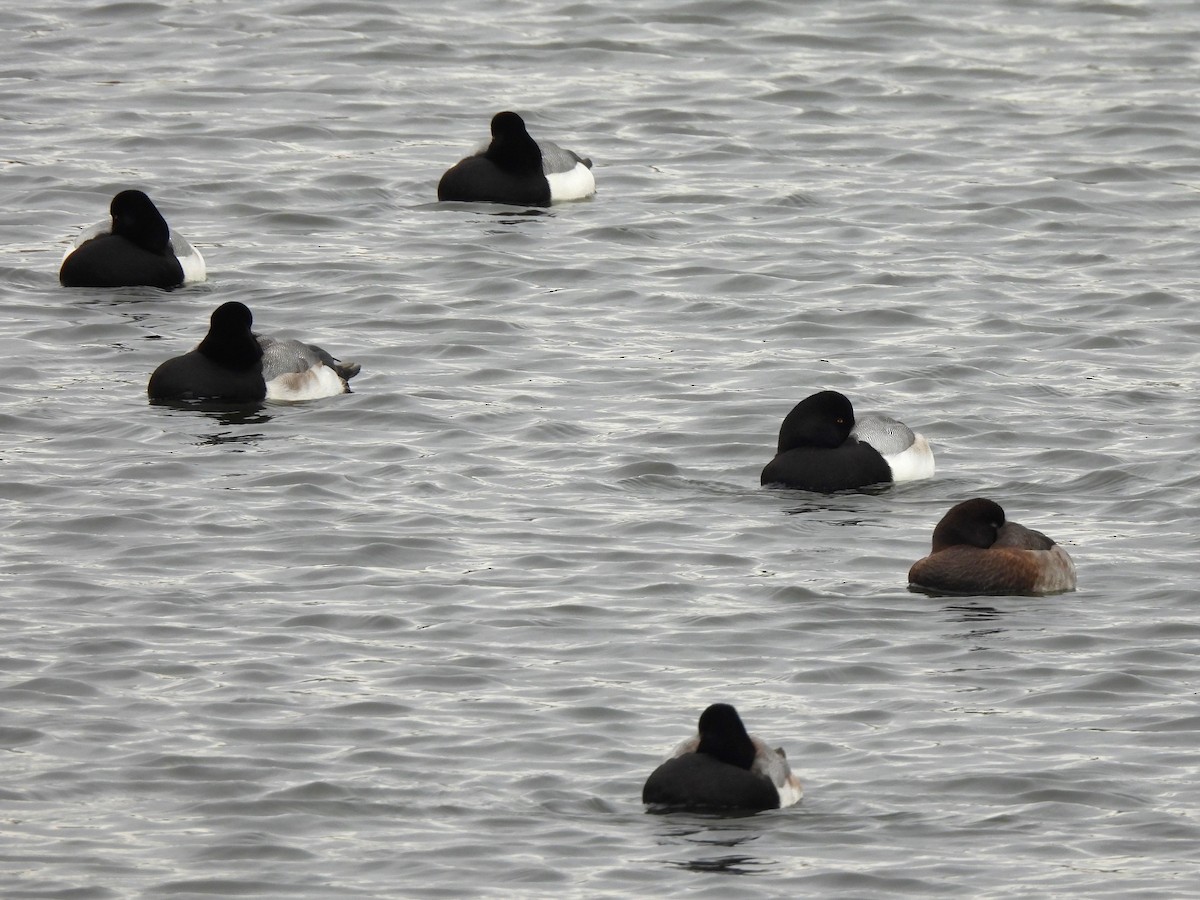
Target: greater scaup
{"x": 822, "y": 448}
{"x": 723, "y": 767}
{"x": 134, "y": 247}
{"x": 233, "y": 364}
{"x": 516, "y": 169}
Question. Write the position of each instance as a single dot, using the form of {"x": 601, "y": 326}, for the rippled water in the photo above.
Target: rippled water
{"x": 427, "y": 639}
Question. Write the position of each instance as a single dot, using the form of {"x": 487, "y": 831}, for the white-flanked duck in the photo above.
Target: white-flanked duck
{"x": 723, "y": 767}
{"x": 822, "y": 448}
{"x": 133, "y": 247}
{"x": 516, "y": 169}
{"x": 235, "y": 365}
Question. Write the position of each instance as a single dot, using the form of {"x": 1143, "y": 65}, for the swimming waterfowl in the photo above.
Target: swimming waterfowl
{"x": 134, "y": 247}
{"x": 723, "y": 767}
{"x": 976, "y": 550}
{"x": 822, "y": 448}
{"x": 516, "y": 169}
{"x": 233, "y": 364}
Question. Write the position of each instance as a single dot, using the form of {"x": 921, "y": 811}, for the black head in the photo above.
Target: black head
{"x": 137, "y": 219}
{"x": 974, "y": 522}
{"x": 724, "y": 737}
{"x": 823, "y": 420}
{"x": 230, "y": 342}
{"x": 512, "y": 149}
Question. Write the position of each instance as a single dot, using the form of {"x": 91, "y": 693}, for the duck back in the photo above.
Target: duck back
{"x": 194, "y": 376}
{"x": 850, "y": 466}
{"x": 697, "y": 780}
{"x": 110, "y": 260}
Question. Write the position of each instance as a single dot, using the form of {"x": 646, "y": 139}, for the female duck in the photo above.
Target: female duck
{"x": 976, "y": 551}
{"x": 515, "y": 169}
{"x": 135, "y": 247}
{"x": 723, "y": 767}
{"x": 235, "y": 365}
{"x": 821, "y": 448}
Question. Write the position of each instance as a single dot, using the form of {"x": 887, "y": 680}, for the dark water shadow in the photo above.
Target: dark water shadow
{"x": 723, "y": 865}
{"x": 228, "y": 413}
{"x": 723, "y": 837}
{"x": 229, "y": 418}
{"x": 839, "y": 502}
{"x": 507, "y": 214}
{"x": 847, "y": 514}
{"x": 726, "y": 831}
{"x": 125, "y": 297}
{"x": 982, "y": 621}
{"x": 972, "y": 613}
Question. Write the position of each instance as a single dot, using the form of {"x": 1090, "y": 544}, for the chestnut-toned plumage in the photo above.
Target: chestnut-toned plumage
{"x": 977, "y": 551}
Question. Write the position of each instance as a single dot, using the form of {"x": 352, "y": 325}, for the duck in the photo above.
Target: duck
{"x": 976, "y": 550}
{"x": 823, "y": 448}
{"x": 232, "y": 364}
{"x": 135, "y": 246}
{"x": 723, "y": 767}
{"x": 516, "y": 169}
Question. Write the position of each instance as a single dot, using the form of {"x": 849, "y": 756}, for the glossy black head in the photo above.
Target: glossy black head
{"x": 512, "y": 149}
{"x": 137, "y": 219}
{"x": 974, "y": 522}
{"x": 823, "y": 420}
{"x": 230, "y": 342}
{"x": 724, "y": 737}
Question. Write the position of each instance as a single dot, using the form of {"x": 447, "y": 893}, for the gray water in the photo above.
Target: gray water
{"x": 428, "y": 639}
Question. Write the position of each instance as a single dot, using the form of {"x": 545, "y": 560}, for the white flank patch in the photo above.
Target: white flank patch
{"x": 573, "y": 185}
{"x": 190, "y": 260}
{"x": 914, "y": 463}
{"x": 311, "y": 384}
{"x": 790, "y": 792}
{"x": 772, "y": 764}
{"x": 99, "y": 228}
{"x": 907, "y": 453}
{"x": 189, "y": 257}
